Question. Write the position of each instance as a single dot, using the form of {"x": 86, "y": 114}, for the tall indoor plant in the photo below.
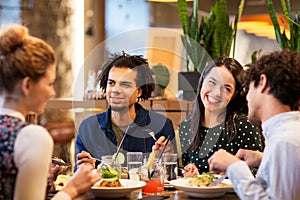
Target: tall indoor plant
{"x": 293, "y": 42}
{"x": 211, "y": 38}
{"x": 214, "y": 34}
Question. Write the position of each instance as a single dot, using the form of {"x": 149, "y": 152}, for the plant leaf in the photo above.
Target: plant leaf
{"x": 183, "y": 15}
{"x": 236, "y": 20}
{"x": 274, "y": 19}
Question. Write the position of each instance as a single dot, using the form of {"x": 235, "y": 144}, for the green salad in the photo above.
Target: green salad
{"x": 110, "y": 172}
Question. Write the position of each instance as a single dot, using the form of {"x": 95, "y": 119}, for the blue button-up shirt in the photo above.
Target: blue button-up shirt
{"x": 95, "y": 134}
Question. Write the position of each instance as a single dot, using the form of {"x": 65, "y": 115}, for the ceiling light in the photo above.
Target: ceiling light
{"x": 261, "y": 25}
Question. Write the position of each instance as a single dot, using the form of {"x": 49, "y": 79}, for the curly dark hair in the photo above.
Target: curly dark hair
{"x": 144, "y": 78}
{"x": 282, "y": 69}
{"x": 237, "y": 106}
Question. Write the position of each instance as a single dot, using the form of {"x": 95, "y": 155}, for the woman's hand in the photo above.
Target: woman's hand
{"x": 54, "y": 171}
{"x": 190, "y": 170}
{"x": 83, "y": 179}
{"x": 57, "y": 169}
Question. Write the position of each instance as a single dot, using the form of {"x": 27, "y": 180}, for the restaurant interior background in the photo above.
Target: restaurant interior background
{"x": 83, "y": 31}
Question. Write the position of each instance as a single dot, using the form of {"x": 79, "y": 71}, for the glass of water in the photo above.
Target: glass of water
{"x": 134, "y": 164}
{"x": 170, "y": 166}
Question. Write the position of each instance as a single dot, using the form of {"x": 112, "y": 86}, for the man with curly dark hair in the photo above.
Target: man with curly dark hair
{"x": 273, "y": 102}
{"x": 125, "y": 79}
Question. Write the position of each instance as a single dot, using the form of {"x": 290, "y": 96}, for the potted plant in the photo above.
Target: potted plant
{"x": 214, "y": 34}
{"x": 211, "y": 38}
{"x": 293, "y": 42}
{"x": 162, "y": 78}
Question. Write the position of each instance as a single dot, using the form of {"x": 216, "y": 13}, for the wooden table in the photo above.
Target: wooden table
{"x": 173, "y": 195}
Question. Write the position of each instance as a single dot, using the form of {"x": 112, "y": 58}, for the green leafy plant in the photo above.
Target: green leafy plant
{"x": 254, "y": 57}
{"x": 213, "y": 37}
{"x": 293, "y": 42}
{"x": 161, "y": 75}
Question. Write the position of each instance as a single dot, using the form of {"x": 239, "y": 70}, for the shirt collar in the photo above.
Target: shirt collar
{"x": 142, "y": 118}
{"x": 278, "y": 120}
{"x": 13, "y": 113}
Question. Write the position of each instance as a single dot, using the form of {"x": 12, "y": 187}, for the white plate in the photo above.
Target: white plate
{"x": 201, "y": 192}
{"x": 117, "y": 192}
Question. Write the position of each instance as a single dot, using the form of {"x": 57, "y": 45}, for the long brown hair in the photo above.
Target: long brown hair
{"x": 237, "y": 105}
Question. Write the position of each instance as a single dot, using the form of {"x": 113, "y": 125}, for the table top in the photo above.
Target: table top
{"x": 172, "y": 195}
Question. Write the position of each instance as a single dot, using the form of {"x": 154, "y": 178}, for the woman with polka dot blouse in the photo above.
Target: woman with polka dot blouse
{"x": 218, "y": 118}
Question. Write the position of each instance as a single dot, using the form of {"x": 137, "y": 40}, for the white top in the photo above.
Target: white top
{"x": 33, "y": 151}
{"x": 278, "y": 176}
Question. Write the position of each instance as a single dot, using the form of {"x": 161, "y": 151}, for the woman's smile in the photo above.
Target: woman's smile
{"x": 212, "y": 100}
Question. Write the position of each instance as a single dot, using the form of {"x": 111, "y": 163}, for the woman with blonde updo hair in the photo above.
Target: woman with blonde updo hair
{"x": 27, "y": 77}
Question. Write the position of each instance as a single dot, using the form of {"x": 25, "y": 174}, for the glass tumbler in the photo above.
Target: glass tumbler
{"x": 170, "y": 166}
{"x": 154, "y": 179}
{"x": 108, "y": 169}
{"x": 134, "y": 164}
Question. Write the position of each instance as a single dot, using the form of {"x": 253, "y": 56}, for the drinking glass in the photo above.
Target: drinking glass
{"x": 170, "y": 166}
{"x": 134, "y": 164}
{"x": 108, "y": 169}
{"x": 154, "y": 179}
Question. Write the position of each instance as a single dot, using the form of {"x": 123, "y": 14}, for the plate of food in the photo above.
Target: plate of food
{"x": 110, "y": 189}
{"x": 197, "y": 187}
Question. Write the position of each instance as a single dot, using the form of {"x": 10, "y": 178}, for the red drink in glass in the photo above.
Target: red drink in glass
{"x": 153, "y": 186}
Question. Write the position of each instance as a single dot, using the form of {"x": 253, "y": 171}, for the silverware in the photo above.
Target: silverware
{"x": 57, "y": 162}
{"x": 181, "y": 169}
{"x": 152, "y": 135}
{"x": 94, "y": 158}
{"x": 217, "y": 181}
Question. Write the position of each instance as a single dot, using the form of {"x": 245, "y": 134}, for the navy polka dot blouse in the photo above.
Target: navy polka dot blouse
{"x": 248, "y": 137}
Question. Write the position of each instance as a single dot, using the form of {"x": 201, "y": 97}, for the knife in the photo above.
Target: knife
{"x": 217, "y": 181}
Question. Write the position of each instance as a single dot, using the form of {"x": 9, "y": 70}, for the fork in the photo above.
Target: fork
{"x": 94, "y": 158}
{"x": 217, "y": 181}
{"x": 61, "y": 163}
{"x": 152, "y": 135}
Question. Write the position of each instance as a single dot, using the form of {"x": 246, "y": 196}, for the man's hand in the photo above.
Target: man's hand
{"x": 252, "y": 158}
{"x": 85, "y": 158}
{"x": 220, "y": 161}
{"x": 159, "y": 145}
